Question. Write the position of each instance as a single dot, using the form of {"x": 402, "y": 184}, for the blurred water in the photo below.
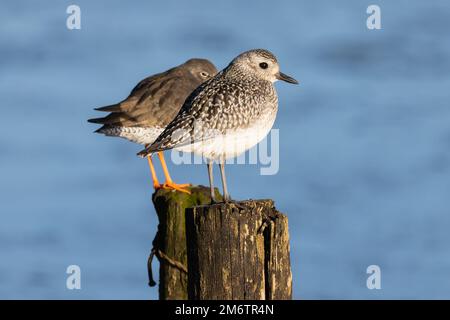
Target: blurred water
{"x": 365, "y": 139}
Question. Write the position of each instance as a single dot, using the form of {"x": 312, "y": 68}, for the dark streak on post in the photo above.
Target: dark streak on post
{"x": 236, "y": 253}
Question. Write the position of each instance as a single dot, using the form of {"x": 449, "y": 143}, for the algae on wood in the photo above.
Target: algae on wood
{"x": 170, "y": 239}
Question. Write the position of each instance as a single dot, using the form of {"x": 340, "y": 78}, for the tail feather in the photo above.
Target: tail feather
{"x": 111, "y": 108}
{"x": 147, "y": 151}
{"x": 100, "y": 130}
{"x": 108, "y": 130}
{"x": 97, "y": 120}
{"x": 114, "y": 118}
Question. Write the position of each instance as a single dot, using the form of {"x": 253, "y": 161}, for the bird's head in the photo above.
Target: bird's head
{"x": 201, "y": 69}
{"x": 262, "y": 64}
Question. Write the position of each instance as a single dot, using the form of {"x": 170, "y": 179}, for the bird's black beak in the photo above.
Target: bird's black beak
{"x": 284, "y": 77}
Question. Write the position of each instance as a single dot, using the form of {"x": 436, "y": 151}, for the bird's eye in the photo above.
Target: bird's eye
{"x": 263, "y": 65}
{"x": 204, "y": 74}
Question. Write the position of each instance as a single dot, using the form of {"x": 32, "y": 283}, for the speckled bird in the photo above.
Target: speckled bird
{"x": 228, "y": 114}
{"x": 150, "y": 107}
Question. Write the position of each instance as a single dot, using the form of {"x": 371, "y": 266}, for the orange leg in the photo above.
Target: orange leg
{"x": 156, "y": 183}
{"x": 169, "y": 184}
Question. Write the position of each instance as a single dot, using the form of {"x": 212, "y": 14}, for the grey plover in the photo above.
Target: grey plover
{"x": 228, "y": 114}
{"x": 150, "y": 107}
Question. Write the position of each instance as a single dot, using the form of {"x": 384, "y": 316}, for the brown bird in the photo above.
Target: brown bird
{"x": 151, "y": 106}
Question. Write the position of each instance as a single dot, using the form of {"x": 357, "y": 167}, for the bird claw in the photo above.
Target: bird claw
{"x": 174, "y": 186}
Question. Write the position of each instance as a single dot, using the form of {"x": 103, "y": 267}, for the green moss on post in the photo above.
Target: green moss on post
{"x": 170, "y": 241}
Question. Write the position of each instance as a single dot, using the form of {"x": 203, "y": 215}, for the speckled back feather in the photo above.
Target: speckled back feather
{"x": 231, "y": 100}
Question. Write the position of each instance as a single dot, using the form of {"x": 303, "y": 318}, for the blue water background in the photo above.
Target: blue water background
{"x": 364, "y": 141}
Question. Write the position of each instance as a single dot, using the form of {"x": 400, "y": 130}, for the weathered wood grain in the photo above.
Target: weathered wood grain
{"x": 238, "y": 252}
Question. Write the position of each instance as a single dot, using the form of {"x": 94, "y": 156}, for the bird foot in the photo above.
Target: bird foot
{"x": 168, "y": 185}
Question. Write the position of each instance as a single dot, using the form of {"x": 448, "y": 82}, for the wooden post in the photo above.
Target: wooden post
{"x": 238, "y": 252}
{"x": 169, "y": 244}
